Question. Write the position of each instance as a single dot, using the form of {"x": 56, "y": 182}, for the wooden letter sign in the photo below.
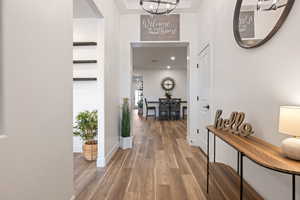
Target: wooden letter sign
{"x": 234, "y": 124}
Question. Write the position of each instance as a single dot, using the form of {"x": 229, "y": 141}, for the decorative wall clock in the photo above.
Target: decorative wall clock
{"x": 168, "y": 84}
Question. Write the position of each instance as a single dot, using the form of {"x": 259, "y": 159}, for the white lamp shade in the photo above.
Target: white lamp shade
{"x": 289, "y": 120}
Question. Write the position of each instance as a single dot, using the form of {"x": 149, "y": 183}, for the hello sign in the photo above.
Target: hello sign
{"x": 235, "y": 124}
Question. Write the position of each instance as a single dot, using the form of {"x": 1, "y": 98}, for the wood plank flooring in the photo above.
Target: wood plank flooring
{"x": 84, "y": 172}
{"x": 161, "y": 166}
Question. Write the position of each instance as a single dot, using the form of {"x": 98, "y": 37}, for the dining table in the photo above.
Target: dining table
{"x": 157, "y": 102}
{"x": 181, "y": 102}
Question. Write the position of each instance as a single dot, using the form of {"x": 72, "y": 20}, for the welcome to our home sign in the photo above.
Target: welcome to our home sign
{"x": 160, "y": 27}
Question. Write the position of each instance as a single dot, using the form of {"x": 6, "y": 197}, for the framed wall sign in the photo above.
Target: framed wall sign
{"x": 160, "y": 27}
{"x": 246, "y": 25}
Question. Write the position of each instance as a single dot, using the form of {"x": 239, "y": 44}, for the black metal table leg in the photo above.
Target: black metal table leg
{"x": 242, "y": 179}
{"x": 238, "y": 163}
{"x": 207, "y": 161}
{"x": 294, "y": 186}
{"x": 214, "y": 148}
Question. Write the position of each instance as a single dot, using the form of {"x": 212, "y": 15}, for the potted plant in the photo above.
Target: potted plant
{"x": 86, "y": 127}
{"x": 140, "y": 107}
{"x": 126, "y": 139}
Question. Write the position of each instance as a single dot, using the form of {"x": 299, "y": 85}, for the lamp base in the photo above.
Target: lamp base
{"x": 291, "y": 148}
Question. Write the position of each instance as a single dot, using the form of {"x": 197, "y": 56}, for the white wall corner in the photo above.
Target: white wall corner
{"x": 102, "y": 161}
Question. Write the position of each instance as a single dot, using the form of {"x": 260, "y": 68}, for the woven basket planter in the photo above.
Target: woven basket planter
{"x": 90, "y": 151}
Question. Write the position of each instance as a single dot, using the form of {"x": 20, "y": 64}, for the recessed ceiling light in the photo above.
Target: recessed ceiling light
{"x": 168, "y": 67}
{"x": 173, "y": 58}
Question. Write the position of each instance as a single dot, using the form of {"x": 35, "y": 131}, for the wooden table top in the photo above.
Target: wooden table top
{"x": 158, "y": 102}
{"x": 259, "y": 151}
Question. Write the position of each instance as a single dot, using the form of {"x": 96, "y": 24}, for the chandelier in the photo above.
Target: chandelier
{"x": 159, "y": 7}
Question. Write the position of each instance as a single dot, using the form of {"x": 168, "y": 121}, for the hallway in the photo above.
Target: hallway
{"x": 161, "y": 166}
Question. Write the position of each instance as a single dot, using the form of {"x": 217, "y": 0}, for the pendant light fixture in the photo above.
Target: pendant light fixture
{"x": 159, "y": 7}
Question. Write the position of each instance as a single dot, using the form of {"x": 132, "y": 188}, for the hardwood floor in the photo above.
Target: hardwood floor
{"x": 84, "y": 172}
{"x": 161, "y": 166}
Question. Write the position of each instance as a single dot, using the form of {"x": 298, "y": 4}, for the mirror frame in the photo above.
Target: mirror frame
{"x": 277, "y": 26}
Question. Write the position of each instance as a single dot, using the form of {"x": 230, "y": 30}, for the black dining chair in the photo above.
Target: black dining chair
{"x": 150, "y": 108}
{"x": 184, "y": 111}
{"x": 175, "y": 108}
{"x": 164, "y": 109}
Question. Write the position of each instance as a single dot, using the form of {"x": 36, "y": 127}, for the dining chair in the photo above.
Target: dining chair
{"x": 164, "y": 109}
{"x": 184, "y": 111}
{"x": 150, "y": 108}
{"x": 175, "y": 108}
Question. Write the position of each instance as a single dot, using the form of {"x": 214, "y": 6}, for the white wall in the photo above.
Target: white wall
{"x": 88, "y": 30}
{"x": 36, "y": 156}
{"x": 109, "y": 117}
{"x": 256, "y": 82}
{"x": 130, "y": 28}
{"x": 84, "y": 98}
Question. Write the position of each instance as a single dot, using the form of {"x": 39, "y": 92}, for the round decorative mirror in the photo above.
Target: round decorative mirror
{"x": 168, "y": 84}
{"x": 256, "y": 21}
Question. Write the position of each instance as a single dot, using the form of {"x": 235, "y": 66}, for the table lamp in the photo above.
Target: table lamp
{"x": 289, "y": 123}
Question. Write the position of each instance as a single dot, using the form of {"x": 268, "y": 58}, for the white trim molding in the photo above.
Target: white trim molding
{"x": 102, "y": 161}
{"x": 3, "y": 137}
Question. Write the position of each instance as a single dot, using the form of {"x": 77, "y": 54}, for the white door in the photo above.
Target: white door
{"x": 203, "y": 99}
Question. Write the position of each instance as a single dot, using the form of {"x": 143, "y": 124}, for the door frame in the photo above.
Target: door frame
{"x": 212, "y": 75}
{"x": 194, "y": 139}
{"x": 186, "y": 44}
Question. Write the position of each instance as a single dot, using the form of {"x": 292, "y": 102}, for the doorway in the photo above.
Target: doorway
{"x": 88, "y": 93}
{"x": 152, "y": 63}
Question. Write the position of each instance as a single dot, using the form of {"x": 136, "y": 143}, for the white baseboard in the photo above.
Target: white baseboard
{"x": 197, "y": 143}
{"x": 3, "y": 136}
{"x": 101, "y": 162}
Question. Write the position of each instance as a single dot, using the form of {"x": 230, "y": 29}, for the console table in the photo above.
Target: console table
{"x": 257, "y": 150}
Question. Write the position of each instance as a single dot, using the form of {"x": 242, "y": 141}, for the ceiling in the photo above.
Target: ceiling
{"x": 159, "y": 57}
{"x": 85, "y": 9}
{"x": 133, "y": 6}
